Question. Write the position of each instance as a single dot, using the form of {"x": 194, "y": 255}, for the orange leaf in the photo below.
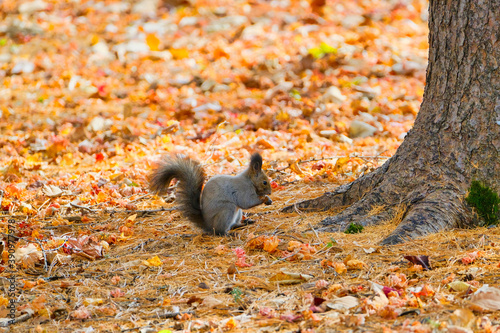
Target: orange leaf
{"x": 102, "y": 197}
{"x": 271, "y": 244}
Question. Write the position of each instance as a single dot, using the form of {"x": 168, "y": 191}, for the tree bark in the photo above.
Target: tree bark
{"x": 455, "y": 138}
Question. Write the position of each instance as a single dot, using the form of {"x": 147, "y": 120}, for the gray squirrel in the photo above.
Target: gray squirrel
{"x": 215, "y": 207}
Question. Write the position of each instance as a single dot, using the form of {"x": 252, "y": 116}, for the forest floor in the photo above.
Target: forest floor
{"x": 93, "y": 93}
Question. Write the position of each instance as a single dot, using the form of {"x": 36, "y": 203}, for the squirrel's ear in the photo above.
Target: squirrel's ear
{"x": 256, "y": 162}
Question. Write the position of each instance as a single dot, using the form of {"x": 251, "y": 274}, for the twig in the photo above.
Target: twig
{"x": 296, "y": 209}
{"x": 290, "y": 236}
{"x": 82, "y": 207}
{"x": 141, "y": 245}
{"x": 167, "y": 315}
{"x": 136, "y": 328}
{"x": 139, "y": 198}
{"x": 317, "y": 237}
{"x": 43, "y": 204}
{"x": 68, "y": 225}
{"x": 12, "y": 216}
{"x": 45, "y": 267}
{"x": 283, "y": 259}
{"x": 4, "y": 322}
{"x": 8, "y": 235}
{"x": 142, "y": 211}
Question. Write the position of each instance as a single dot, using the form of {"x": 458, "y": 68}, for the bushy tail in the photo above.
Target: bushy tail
{"x": 191, "y": 178}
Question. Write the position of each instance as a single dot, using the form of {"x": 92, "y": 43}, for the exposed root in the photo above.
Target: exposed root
{"x": 414, "y": 208}
{"x": 440, "y": 210}
{"x": 399, "y": 212}
{"x": 415, "y": 204}
{"x": 344, "y": 195}
{"x": 342, "y": 221}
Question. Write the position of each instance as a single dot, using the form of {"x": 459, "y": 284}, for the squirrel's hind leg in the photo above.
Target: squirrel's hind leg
{"x": 226, "y": 220}
{"x": 237, "y": 219}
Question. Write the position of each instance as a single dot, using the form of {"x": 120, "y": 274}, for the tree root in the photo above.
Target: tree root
{"x": 440, "y": 210}
{"x": 344, "y": 195}
{"x": 417, "y": 207}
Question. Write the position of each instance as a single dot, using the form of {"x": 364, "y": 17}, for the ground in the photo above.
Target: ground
{"x": 93, "y": 93}
{"x": 195, "y": 277}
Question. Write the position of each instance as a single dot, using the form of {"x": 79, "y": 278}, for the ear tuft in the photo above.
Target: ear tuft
{"x": 256, "y": 162}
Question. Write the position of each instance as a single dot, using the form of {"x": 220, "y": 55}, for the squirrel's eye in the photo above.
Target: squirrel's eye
{"x": 264, "y": 182}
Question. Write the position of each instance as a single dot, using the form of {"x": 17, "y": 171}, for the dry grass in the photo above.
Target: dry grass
{"x": 194, "y": 275}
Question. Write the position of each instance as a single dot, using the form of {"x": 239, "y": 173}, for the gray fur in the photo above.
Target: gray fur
{"x": 223, "y": 196}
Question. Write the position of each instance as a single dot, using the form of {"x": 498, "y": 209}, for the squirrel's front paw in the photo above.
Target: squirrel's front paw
{"x": 266, "y": 200}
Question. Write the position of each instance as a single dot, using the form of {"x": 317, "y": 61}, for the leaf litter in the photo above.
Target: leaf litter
{"x": 95, "y": 92}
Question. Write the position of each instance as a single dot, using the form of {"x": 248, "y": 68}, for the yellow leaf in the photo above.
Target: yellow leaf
{"x": 153, "y": 42}
{"x": 35, "y": 234}
{"x": 35, "y": 158}
{"x": 166, "y": 138}
{"x": 155, "y": 261}
{"x": 282, "y": 116}
{"x": 459, "y": 286}
{"x": 92, "y": 301}
{"x": 67, "y": 159}
{"x": 341, "y": 161}
{"x": 179, "y": 53}
{"x": 66, "y": 130}
{"x": 295, "y": 168}
{"x": 94, "y": 40}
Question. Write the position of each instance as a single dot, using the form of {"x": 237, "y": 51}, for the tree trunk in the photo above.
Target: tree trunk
{"x": 455, "y": 138}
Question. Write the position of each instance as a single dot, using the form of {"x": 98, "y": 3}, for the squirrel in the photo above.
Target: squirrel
{"x": 215, "y": 207}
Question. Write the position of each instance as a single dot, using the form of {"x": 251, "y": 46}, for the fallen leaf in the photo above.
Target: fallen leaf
{"x": 84, "y": 246}
{"x": 153, "y": 262}
{"x": 290, "y": 317}
{"x": 463, "y": 318}
{"x": 370, "y": 250}
{"x": 179, "y": 53}
{"x": 459, "y": 286}
{"x": 343, "y": 303}
{"x": 419, "y": 260}
{"x": 231, "y": 270}
{"x": 290, "y": 278}
{"x": 116, "y": 293}
{"x": 81, "y": 313}
{"x": 153, "y": 42}
{"x": 52, "y": 191}
{"x": 212, "y": 302}
{"x": 355, "y": 264}
{"x": 240, "y": 254}
{"x": 486, "y": 299}
{"x": 28, "y": 256}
